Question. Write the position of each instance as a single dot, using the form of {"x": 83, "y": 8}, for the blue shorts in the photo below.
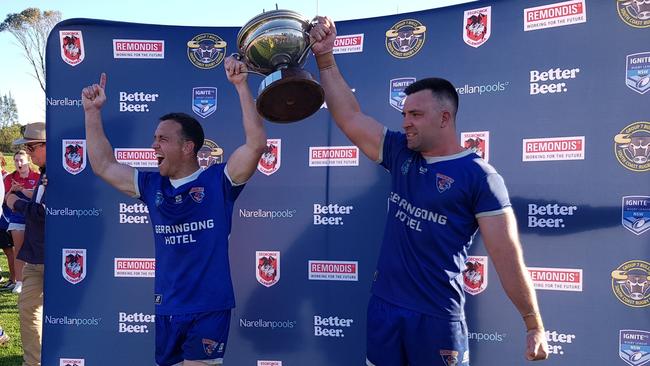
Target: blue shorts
{"x": 398, "y": 337}
{"x": 194, "y": 337}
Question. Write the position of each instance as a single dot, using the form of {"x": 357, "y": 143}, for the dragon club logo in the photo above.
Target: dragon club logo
{"x": 74, "y": 156}
{"x": 73, "y": 265}
{"x": 267, "y": 265}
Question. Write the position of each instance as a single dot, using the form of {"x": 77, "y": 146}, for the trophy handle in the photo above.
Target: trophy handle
{"x": 311, "y": 43}
{"x": 304, "y": 53}
{"x": 239, "y": 57}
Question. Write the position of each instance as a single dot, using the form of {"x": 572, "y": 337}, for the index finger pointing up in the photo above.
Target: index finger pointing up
{"x": 102, "y": 81}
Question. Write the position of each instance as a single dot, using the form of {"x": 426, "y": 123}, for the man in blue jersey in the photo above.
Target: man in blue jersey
{"x": 441, "y": 195}
{"x": 191, "y": 213}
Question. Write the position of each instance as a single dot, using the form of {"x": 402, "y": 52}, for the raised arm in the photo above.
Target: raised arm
{"x": 100, "y": 151}
{"x": 501, "y": 240}
{"x": 364, "y": 131}
{"x": 243, "y": 162}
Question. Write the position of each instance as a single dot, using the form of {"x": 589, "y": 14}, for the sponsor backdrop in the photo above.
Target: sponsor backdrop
{"x": 553, "y": 94}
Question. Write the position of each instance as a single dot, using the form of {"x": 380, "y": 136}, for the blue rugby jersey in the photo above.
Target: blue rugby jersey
{"x": 191, "y": 225}
{"x": 430, "y": 224}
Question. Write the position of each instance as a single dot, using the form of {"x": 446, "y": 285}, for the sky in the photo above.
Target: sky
{"x": 16, "y": 75}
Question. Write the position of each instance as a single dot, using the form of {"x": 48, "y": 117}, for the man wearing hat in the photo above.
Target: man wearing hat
{"x": 30, "y": 303}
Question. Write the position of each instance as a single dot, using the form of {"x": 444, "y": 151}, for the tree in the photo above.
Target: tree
{"x": 8, "y": 111}
{"x": 8, "y": 135}
{"x": 9, "y": 127}
{"x": 31, "y": 28}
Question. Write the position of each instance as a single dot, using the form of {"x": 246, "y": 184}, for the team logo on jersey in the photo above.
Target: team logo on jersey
{"x": 204, "y": 101}
{"x": 268, "y": 267}
{"x": 72, "y": 47}
{"x": 74, "y": 155}
{"x": 632, "y": 146}
{"x": 271, "y": 158}
{"x": 450, "y": 357}
{"x": 157, "y": 299}
{"x": 477, "y": 23}
{"x": 475, "y": 275}
{"x": 443, "y": 182}
{"x": 73, "y": 265}
{"x": 159, "y": 198}
{"x": 209, "y": 154}
{"x": 631, "y": 283}
{"x": 405, "y": 38}
{"x": 637, "y": 69}
{"x": 479, "y": 142}
{"x": 634, "y": 347}
{"x": 635, "y": 13}
{"x": 396, "y": 96}
{"x": 206, "y": 51}
{"x": 197, "y": 194}
{"x": 209, "y": 346}
{"x": 636, "y": 214}
{"x": 406, "y": 165}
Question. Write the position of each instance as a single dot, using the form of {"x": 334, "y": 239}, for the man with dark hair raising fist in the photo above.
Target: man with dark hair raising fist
{"x": 441, "y": 196}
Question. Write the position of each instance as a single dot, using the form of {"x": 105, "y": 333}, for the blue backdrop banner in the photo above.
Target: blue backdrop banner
{"x": 553, "y": 94}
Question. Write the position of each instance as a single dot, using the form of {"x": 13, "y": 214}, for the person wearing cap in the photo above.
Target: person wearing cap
{"x": 30, "y": 302}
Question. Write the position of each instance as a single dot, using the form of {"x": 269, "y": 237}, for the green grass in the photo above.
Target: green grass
{"x": 12, "y": 353}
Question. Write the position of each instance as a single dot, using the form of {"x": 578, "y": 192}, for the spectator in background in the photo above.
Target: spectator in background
{"x": 30, "y": 302}
{"x": 3, "y": 167}
{"x": 21, "y": 182}
{"x": 6, "y": 242}
{"x": 4, "y": 337}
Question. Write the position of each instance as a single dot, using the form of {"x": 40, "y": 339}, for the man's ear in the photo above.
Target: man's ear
{"x": 188, "y": 147}
{"x": 445, "y": 119}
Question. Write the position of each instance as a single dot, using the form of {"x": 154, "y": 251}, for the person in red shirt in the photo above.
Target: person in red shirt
{"x": 22, "y": 183}
{"x": 6, "y": 242}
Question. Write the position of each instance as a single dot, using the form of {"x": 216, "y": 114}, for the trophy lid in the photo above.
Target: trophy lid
{"x": 272, "y": 39}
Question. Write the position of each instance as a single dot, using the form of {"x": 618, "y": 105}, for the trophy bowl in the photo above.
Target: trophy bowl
{"x": 275, "y": 44}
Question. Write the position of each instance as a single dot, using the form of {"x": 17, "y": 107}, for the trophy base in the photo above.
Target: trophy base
{"x": 289, "y": 95}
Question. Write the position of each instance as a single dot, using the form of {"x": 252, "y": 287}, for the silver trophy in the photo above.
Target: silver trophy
{"x": 275, "y": 44}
